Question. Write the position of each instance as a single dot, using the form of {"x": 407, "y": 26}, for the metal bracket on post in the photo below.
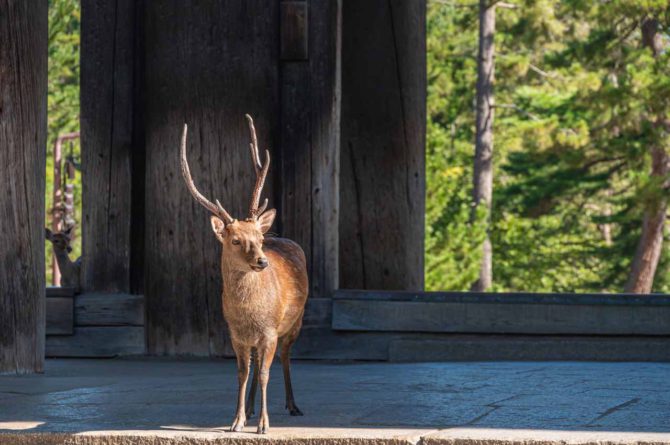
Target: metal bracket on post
{"x": 294, "y": 30}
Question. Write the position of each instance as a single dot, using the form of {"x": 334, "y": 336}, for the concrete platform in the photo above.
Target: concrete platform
{"x": 192, "y": 402}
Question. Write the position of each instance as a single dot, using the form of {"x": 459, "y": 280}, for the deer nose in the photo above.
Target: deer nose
{"x": 262, "y": 262}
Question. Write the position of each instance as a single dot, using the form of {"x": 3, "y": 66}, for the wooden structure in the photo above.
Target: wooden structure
{"x": 148, "y": 67}
{"x": 337, "y": 89}
{"x": 23, "y": 124}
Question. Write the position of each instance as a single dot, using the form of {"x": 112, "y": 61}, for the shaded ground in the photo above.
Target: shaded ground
{"x": 398, "y": 400}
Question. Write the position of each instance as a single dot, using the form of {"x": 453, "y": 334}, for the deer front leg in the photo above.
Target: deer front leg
{"x": 266, "y": 354}
{"x": 251, "y": 400}
{"x": 243, "y": 354}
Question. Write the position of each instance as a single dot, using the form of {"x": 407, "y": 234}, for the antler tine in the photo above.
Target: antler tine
{"x": 261, "y": 171}
{"x": 253, "y": 145}
{"x": 186, "y": 172}
{"x": 262, "y": 208}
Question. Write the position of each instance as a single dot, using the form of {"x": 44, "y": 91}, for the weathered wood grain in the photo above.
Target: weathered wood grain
{"x": 293, "y": 28}
{"x": 321, "y": 343}
{"x": 310, "y": 117}
{"x": 53, "y": 291}
{"x": 98, "y": 342}
{"x": 59, "y": 316}
{"x": 23, "y": 121}
{"x": 318, "y": 312}
{"x": 107, "y": 64}
{"x": 382, "y": 185}
{"x": 529, "y": 348}
{"x": 501, "y": 318}
{"x": 206, "y": 66}
{"x": 109, "y": 310}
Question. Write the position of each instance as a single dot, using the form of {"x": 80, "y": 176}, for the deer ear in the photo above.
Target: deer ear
{"x": 68, "y": 231}
{"x": 218, "y": 227}
{"x": 266, "y": 219}
{"x": 47, "y": 233}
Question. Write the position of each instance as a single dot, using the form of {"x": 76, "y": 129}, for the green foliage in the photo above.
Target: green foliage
{"x": 576, "y": 93}
{"x": 63, "y": 101}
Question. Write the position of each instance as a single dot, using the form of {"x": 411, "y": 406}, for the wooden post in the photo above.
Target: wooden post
{"x": 107, "y": 72}
{"x": 206, "y": 66}
{"x": 310, "y": 135}
{"x": 23, "y": 122}
{"x": 382, "y": 185}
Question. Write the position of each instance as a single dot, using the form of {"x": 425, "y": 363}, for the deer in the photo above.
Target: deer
{"x": 265, "y": 288}
{"x": 70, "y": 270}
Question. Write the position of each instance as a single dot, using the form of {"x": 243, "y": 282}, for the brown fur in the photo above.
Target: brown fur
{"x": 264, "y": 288}
{"x": 263, "y": 308}
{"x": 70, "y": 270}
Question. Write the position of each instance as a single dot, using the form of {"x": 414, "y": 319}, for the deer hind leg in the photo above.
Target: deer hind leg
{"x": 287, "y": 342}
{"x": 243, "y": 354}
{"x": 266, "y": 353}
{"x": 251, "y": 401}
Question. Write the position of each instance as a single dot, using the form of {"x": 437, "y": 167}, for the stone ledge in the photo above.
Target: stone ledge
{"x": 341, "y": 436}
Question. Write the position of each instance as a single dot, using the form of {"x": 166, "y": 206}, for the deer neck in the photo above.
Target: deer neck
{"x": 63, "y": 258}
{"x": 66, "y": 266}
{"x": 240, "y": 284}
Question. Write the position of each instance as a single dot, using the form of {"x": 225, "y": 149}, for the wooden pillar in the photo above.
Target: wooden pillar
{"x": 310, "y": 130}
{"x": 107, "y": 114}
{"x": 206, "y": 65}
{"x": 23, "y": 122}
{"x": 382, "y": 185}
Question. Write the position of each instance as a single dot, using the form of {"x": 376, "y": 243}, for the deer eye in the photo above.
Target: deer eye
{"x": 236, "y": 241}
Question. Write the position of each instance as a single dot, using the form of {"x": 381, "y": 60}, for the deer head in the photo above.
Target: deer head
{"x": 60, "y": 240}
{"x": 242, "y": 240}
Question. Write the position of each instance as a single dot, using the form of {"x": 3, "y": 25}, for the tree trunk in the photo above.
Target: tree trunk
{"x": 23, "y": 122}
{"x": 483, "y": 165}
{"x": 648, "y": 252}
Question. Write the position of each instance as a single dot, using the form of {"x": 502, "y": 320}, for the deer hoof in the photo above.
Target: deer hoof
{"x": 238, "y": 425}
{"x": 263, "y": 426}
{"x": 295, "y": 411}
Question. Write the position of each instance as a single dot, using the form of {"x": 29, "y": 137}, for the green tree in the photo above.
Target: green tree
{"x": 577, "y": 99}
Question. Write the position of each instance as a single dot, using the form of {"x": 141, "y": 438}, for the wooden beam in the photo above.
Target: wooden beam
{"x": 23, "y": 123}
{"x": 548, "y": 314}
{"x": 109, "y": 310}
{"x": 310, "y": 147}
{"x": 382, "y": 186}
{"x": 107, "y": 113}
{"x": 98, "y": 342}
{"x": 59, "y": 316}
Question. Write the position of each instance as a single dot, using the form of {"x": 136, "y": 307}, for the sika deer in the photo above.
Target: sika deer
{"x": 70, "y": 270}
{"x": 264, "y": 288}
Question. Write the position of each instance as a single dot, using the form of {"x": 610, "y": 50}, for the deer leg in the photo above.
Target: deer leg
{"x": 266, "y": 354}
{"x": 243, "y": 355}
{"x": 287, "y": 342}
{"x": 254, "y": 384}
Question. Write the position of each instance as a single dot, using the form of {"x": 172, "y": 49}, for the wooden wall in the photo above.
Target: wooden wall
{"x": 148, "y": 67}
{"x": 23, "y": 121}
{"x": 108, "y": 36}
{"x": 382, "y": 183}
{"x": 310, "y": 122}
{"x": 206, "y": 66}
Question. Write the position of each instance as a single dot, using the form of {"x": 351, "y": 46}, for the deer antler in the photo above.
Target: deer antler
{"x": 261, "y": 172}
{"x": 217, "y": 209}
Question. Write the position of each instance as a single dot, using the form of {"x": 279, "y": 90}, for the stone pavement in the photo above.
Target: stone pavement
{"x": 159, "y": 401}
